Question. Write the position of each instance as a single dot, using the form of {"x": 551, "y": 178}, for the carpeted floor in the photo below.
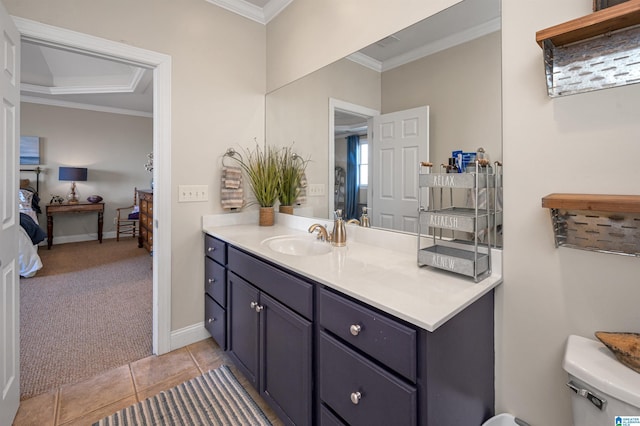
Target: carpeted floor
{"x": 89, "y": 309}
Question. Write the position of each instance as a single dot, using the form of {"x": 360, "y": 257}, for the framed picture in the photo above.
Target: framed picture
{"x": 29, "y": 150}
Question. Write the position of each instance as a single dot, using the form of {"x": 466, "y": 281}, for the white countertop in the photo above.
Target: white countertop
{"x": 377, "y": 267}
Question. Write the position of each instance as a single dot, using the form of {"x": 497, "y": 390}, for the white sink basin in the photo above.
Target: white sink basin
{"x": 297, "y": 245}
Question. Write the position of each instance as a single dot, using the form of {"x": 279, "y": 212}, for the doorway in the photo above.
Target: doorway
{"x": 161, "y": 66}
{"x": 344, "y": 117}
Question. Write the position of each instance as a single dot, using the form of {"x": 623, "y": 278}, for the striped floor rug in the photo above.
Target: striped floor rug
{"x": 215, "y": 398}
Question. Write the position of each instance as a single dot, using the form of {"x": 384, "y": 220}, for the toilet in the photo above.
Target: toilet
{"x": 602, "y": 388}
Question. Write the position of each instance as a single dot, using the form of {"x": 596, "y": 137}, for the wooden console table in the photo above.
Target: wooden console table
{"x": 73, "y": 208}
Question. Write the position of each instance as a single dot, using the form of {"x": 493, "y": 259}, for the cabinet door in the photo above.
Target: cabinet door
{"x": 286, "y": 376}
{"x": 243, "y": 329}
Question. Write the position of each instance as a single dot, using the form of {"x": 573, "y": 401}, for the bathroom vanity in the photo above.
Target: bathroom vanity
{"x": 358, "y": 335}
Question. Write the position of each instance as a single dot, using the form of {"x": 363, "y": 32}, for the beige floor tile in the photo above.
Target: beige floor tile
{"x": 153, "y": 370}
{"x": 208, "y": 355}
{"x": 168, "y": 383}
{"x": 100, "y": 413}
{"x": 79, "y": 399}
{"x": 39, "y": 410}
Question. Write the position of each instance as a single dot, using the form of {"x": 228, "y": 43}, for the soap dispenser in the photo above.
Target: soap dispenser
{"x": 339, "y": 233}
{"x": 364, "y": 219}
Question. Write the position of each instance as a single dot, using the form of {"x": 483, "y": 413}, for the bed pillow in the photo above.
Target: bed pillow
{"x": 25, "y": 199}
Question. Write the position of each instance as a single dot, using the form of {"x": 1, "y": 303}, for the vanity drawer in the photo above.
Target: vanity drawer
{"x": 361, "y": 392}
{"x": 380, "y": 337}
{"x": 286, "y": 288}
{"x": 215, "y": 249}
{"x": 215, "y": 281}
{"x": 215, "y": 321}
{"x": 327, "y": 418}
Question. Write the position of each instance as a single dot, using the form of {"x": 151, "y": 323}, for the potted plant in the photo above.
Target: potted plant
{"x": 262, "y": 169}
{"x": 292, "y": 167}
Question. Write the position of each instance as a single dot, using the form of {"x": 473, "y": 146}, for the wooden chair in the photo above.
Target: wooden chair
{"x": 125, "y": 223}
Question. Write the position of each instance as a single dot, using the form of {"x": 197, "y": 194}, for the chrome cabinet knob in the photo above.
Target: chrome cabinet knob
{"x": 210, "y": 249}
{"x": 355, "y": 329}
{"x": 210, "y": 320}
{"x": 253, "y": 305}
{"x": 259, "y": 308}
{"x": 356, "y": 397}
{"x": 212, "y": 280}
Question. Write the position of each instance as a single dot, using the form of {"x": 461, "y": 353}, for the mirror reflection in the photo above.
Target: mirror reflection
{"x": 447, "y": 66}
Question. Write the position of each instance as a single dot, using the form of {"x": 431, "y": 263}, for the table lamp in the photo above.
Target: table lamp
{"x": 74, "y": 174}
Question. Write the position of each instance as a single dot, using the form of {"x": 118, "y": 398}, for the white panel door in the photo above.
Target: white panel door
{"x": 400, "y": 143}
{"x": 9, "y": 222}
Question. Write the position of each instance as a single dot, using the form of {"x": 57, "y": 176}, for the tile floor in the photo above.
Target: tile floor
{"x": 88, "y": 401}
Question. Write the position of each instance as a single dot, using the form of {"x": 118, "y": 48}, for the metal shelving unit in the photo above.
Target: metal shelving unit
{"x": 470, "y": 258}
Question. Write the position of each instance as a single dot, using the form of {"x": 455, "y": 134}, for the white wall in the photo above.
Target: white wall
{"x": 549, "y": 145}
{"x": 461, "y": 85}
{"x": 217, "y": 101}
{"x": 113, "y": 147}
{"x": 299, "y": 113}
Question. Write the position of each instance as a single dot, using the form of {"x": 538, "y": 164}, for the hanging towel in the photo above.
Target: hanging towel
{"x": 302, "y": 190}
{"x": 231, "y": 193}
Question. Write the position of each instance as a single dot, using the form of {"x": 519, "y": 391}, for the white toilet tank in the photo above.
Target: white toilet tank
{"x": 597, "y": 378}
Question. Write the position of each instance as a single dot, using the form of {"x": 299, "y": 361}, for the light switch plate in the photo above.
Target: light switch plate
{"x": 316, "y": 190}
{"x": 193, "y": 193}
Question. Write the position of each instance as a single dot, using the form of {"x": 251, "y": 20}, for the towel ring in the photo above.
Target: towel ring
{"x": 230, "y": 153}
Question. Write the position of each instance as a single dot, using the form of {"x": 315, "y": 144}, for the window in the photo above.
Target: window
{"x": 363, "y": 163}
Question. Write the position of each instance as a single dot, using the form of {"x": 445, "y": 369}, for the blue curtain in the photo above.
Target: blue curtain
{"x": 352, "y": 184}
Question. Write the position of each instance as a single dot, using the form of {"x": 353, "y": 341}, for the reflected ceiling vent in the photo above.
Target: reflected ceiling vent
{"x": 387, "y": 41}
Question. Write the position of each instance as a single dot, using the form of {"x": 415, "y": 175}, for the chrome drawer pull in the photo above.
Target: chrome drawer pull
{"x": 355, "y": 329}
{"x": 356, "y": 397}
{"x": 210, "y": 249}
{"x": 256, "y": 307}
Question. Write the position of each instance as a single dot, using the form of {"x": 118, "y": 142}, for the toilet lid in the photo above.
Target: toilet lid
{"x": 593, "y": 363}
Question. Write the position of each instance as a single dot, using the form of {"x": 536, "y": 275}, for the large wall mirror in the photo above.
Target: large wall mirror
{"x": 449, "y": 63}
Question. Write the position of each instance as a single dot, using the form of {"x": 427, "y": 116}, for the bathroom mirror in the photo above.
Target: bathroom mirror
{"x": 449, "y": 62}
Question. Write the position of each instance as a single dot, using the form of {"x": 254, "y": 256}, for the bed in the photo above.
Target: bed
{"x": 29, "y": 234}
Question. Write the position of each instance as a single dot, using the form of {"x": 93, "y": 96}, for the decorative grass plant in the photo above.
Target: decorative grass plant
{"x": 292, "y": 166}
{"x": 261, "y": 166}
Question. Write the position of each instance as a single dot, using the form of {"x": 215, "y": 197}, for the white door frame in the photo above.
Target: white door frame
{"x": 336, "y": 104}
{"x": 161, "y": 66}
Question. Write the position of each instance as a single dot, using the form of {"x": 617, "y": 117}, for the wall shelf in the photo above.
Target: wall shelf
{"x": 593, "y": 52}
{"x": 595, "y": 222}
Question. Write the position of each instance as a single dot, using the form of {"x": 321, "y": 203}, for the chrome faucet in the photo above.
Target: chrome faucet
{"x": 323, "y": 235}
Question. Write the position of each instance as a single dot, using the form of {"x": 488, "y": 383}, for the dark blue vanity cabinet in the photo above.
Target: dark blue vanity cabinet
{"x": 374, "y": 369}
{"x": 319, "y": 357}
{"x": 215, "y": 287}
{"x": 271, "y": 334}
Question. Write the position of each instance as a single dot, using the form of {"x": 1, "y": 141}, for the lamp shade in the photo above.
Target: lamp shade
{"x": 76, "y": 174}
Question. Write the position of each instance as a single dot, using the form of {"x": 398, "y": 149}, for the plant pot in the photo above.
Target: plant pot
{"x": 286, "y": 209}
{"x": 266, "y": 216}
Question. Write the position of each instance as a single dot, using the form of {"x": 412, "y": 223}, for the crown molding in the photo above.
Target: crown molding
{"x": 428, "y": 49}
{"x": 443, "y": 44}
{"x": 366, "y": 61}
{"x": 134, "y": 81}
{"x": 251, "y": 11}
{"x": 87, "y": 107}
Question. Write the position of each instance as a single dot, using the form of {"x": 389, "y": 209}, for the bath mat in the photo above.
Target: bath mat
{"x": 215, "y": 398}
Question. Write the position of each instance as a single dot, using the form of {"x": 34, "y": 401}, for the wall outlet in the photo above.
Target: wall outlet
{"x": 193, "y": 193}
{"x": 316, "y": 190}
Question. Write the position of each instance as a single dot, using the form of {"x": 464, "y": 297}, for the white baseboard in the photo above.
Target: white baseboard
{"x": 188, "y": 335}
